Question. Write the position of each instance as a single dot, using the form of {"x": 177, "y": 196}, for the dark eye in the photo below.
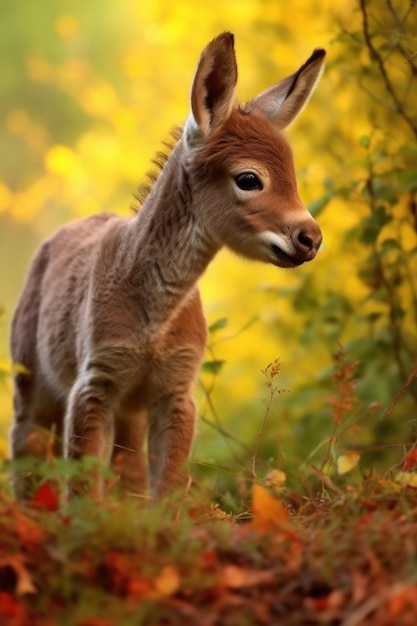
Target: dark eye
{"x": 248, "y": 181}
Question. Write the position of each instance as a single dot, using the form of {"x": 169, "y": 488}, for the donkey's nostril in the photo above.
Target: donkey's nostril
{"x": 305, "y": 240}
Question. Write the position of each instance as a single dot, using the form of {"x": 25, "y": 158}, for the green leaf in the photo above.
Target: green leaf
{"x": 407, "y": 180}
{"x": 364, "y": 141}
{"x": 318, "y": 205}
{"x": 218, "y": 324}
{"x": 373, "y": 224}
{"x": 212, "y": 367}
{"x": 391, "y": 244}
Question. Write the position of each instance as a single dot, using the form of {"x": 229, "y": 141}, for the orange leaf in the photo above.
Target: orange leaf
{"x": 236, "y": 577}
{"x": 139, "y": 587}
{"x": 269, "y": 513}
{"x": 402, "y": 597}
{"x": 24, "y": 584}
{"x": 168, "y": 582}
{"x": 28, "y": 531}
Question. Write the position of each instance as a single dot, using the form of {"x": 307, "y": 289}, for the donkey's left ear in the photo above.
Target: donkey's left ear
{"x": 284, "y": 101}
{"x": 213, "y": 89}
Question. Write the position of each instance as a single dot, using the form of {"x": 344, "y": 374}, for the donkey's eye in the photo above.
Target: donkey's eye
{"x": 248, "y": 181}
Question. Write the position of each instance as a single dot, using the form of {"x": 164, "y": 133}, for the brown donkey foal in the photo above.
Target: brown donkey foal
{"x": 110, "y": 328}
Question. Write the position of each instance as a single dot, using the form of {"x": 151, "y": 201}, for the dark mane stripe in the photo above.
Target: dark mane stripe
{"x": 158, "y": 164}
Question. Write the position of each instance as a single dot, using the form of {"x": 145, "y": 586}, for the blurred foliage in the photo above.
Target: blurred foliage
{"x": 88, "y": 92}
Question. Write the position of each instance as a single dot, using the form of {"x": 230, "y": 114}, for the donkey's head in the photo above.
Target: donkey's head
{"x": 240, "y": 165}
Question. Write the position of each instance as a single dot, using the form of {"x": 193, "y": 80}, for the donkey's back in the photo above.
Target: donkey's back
{"x": 50, "y": 309}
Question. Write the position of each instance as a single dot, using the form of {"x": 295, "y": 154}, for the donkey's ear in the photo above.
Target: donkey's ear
{"x": 283, "y": 102}
{"x": 212, "y": 93}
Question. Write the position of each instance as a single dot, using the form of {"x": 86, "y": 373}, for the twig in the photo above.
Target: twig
{"x": 358, "y": 615}
{"x": 390, "y": 408}
{"x": 222, "y": 431}
{"x": 400, "y": 23}
{"x": 326, "y": 480}
{"x": 375, "y": 54}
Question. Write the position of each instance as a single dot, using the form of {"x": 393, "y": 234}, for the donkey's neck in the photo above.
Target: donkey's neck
{"x": 169, "y": 248}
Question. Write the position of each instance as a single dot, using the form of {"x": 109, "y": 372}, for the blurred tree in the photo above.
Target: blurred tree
{"x": 365, "y": 297}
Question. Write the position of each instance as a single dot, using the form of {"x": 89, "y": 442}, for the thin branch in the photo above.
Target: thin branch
{"x": 375, "y": 54}
{"x": 400, "y": 23}
{"x": 410, "y": 8}
{"x": 217, "y": 426}
{"x": 406, "y": 387}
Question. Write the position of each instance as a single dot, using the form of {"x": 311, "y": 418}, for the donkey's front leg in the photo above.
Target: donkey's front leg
{"x": 171, "y": 433}
{"x": 89, "y": 431}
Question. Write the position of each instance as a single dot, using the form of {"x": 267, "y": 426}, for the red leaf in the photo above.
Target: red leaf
{"x": 46, "y": 497}
{"x": 410, "y": 459}
{"x": 8, "y": 605}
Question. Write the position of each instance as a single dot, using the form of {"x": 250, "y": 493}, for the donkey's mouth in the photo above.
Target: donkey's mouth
{"x": 282, "y": 259}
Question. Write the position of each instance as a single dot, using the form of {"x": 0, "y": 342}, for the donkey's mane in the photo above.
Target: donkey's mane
{"x": 158, "y": 163}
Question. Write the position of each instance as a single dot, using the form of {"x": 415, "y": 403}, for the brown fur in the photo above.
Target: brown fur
{"x": 109, "y": 326}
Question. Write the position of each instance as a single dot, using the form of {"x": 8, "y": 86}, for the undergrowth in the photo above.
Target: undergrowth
{"x": 336, "y": 544}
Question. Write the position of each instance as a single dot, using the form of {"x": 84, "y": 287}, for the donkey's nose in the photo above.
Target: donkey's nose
{"x": 307, "y": 240}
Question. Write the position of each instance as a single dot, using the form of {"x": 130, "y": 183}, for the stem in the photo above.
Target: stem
{"x": 399, "y": 395}
{"x": 260, "y": 431}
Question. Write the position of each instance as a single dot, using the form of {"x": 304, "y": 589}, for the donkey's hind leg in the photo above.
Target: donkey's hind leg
{"x": 129, "y": 460}
{"x": 34, "y": 408}
{"x": 36, "y": 433}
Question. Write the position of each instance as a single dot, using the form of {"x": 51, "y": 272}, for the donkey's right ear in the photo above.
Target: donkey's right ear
{"x": 282, "y": 102}
{"x": 212, "y": 93}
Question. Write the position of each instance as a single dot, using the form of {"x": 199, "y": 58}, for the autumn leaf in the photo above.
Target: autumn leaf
{"x": 168, "y": 582}
{"x": 24, "y": 584}
{"x": 27, "y": 529}
{"x": 46, "y": 497}
{"x": 347, "y": 462}
{"x": 236, "y": 577}
{"x": 410, "y": 459}
{"x": 406, "y": 479}
{"x": 269, "y": 513}
{"x": 139, "y": 587}
{"x": 402, "y": 597}
{"x": 11, "y": 611}
{"x": 275, "y": 479}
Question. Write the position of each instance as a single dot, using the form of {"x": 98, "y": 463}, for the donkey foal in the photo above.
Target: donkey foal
{"x": 109, "y": 326}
